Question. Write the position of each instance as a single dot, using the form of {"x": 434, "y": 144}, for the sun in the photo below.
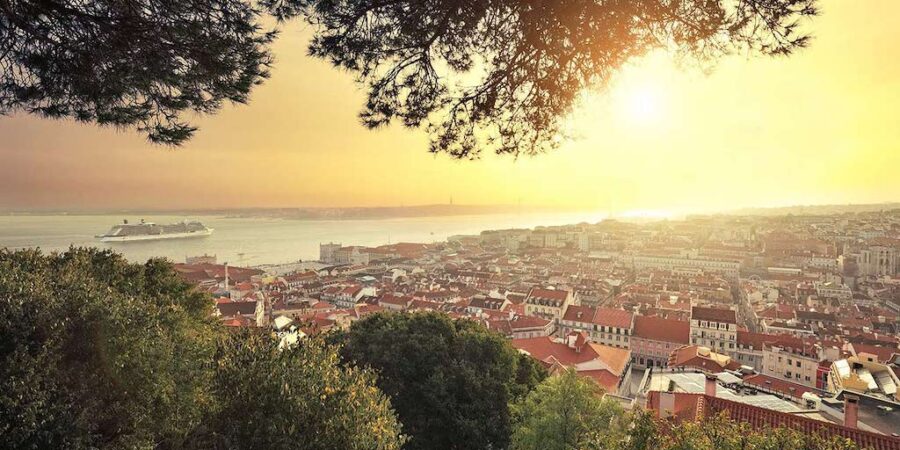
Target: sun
{"x": 641, "y": 103}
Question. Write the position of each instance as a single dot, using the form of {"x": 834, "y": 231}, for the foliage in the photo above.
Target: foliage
{"x": 503, "y": 74}
{"x": 142, "y": 63}
{"x": 565, "y": 412}
{"x": 450, "y": 380}
{"x": 97, "y": 352}
{"x": 476, "y": 74}
{"x": 721, "y": 433}
{"x": 298, "y": 397}
{"x": 641, "y": 431}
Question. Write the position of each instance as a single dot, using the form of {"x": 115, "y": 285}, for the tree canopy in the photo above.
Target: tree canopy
{"x": 565, "y": 412}
{"x": 497, "y": 75}
{"x": 134, "y": 63}
{"x": 451, "y": 381}
{"x": 96, "y": 352}
{"x": 293, "y": 398}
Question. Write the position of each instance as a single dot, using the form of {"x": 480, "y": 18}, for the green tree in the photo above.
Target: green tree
{"x": 715, "y": 433}
{"x": 97, "y": 352}
{"x": 565, "y": 412}
{"x": 450, "y": 381}
{"x": 295, "y": 398}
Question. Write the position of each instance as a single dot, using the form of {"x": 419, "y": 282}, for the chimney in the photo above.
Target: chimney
{"x": 667, "y": 401}
{"x": 851, "y": 410}
{"x": 710, "y": 386}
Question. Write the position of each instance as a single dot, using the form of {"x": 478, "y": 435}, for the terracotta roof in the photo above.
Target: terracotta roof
{"x": 542, "y": 348}
{"x": 525, "y": 322}
{"x": 552, "y": 294}
{"x": 883, "y": 353}
{"x": 663, "y": 330}
{"x": 607, "y": 380}
{"x": 690, "y": 406}
{"x": 577, "y": 313}
{"x": 754, "y": 341}
{"x": 713, "y": 314}
{"x": 613, "y": 318}
{"x": 701, "y": 358}
{"x": 778, "y": 385}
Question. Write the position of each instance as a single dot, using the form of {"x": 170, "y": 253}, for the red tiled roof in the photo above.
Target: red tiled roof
{"x": 690, "y": 406}
{"x": 552, "y": 294}
{"x": 576, "y": 313}
{"x": 613, "y": 318}
{"x": 663, "y": 330}
{"x": 754, "y": 341}
{"x": 607, "y": 380}
{"x": 702, "y": 358}
{"x": 883, "y": 353}
{"x": 542, "y": 348}
{"x": 525, "y": 322}
{"x": 713, "y": 314}
{"x": 777, "y": 385}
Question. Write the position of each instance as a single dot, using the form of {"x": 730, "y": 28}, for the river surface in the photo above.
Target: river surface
{"x": 256, "y": 241}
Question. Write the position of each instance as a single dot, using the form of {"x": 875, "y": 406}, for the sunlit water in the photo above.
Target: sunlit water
{"x": 251, "y": 242}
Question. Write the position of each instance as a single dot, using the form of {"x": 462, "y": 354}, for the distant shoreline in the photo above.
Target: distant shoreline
{"x": 350, "y": 213}
{"x": 445, "y": 210}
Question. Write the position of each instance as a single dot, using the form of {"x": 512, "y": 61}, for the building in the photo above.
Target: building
{"x": 327, "y": 252}
{"x": 548, "y": 303}
{"x": 655, "y": 338}
{"x": 794, "y": 359}
{"x": 607, "y": 326}
{"x": 879, "y": 260}
{"x": 728, "y": 268}
{"x": 701, "y": 359}
{"x": 864, "y": 376}
{"x": 608, "y": 366}
{"x": 714, "y": 328}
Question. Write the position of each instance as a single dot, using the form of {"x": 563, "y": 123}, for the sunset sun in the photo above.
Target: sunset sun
{"x": 640, "y": 103}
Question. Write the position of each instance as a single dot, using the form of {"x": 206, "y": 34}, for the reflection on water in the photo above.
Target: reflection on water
{"x": 243, "y": 241}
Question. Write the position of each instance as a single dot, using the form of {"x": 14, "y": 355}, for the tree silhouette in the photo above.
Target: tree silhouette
{"x": 134, "y": 63}
{"x": 497, "y": 75}
{"x": 503, "y": 74}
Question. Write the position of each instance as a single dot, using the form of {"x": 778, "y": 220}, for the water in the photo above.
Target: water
{"x": 255, "y": 241}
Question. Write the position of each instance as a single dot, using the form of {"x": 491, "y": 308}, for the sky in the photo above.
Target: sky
{"x": 819, "y": 127}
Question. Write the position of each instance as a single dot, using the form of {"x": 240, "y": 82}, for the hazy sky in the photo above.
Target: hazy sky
{"x": 822, "y": 126}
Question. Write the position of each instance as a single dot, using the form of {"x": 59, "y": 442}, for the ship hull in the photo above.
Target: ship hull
{"x": 157, "y": 237}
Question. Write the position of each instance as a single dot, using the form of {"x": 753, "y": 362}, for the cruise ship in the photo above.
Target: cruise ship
{"x": 147, "y": 231}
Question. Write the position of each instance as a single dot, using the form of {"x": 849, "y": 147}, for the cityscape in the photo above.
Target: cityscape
{"x": 776, "y": 319}
{"x": 449, "y": 225}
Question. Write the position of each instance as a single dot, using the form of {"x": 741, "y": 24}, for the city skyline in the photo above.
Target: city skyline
{"x": 818, "y": 127}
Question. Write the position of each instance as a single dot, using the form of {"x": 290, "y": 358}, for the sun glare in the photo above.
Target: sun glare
{"x": 641, "y": 103}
